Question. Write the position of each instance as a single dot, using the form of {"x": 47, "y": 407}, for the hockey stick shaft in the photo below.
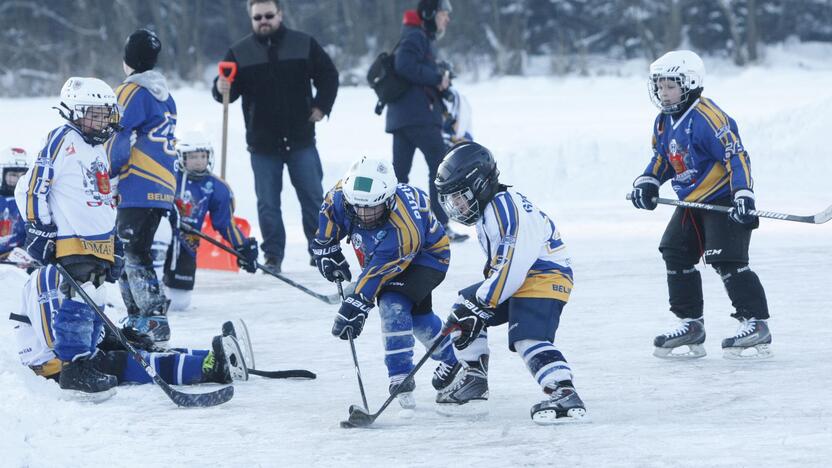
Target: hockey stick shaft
{"x": 180, "y": 398}
{"x": 225, "y": 248}
{"x": 818, "y": 218}
{"x": 284, "y": 374}
{"x": 354, "y": 354}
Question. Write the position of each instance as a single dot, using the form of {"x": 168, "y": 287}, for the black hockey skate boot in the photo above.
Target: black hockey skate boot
{"x": 445, "y": 374}
{"x": 689, "y": 336}
{"x": 563, "y": 405}
{"x": 468, "y": 393}
{"x": 405, "y": 389}
{"x": 224, "y": 363}
{"x": 82, "y": 375}
{"x": 238, "y": 329}
{"x": 752, "y": 341}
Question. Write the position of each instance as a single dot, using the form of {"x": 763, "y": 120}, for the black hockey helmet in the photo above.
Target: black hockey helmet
{"x": 467, "y": 181}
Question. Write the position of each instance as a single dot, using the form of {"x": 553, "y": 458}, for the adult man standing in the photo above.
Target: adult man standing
{"x": 415, "y": 119}
{"x": 275, "y": 66}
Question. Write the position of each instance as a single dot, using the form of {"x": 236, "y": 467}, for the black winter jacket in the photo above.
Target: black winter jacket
{"x": 273, "y": 77}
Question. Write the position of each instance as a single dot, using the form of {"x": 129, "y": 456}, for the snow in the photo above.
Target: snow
{"x": 573, "y": 146}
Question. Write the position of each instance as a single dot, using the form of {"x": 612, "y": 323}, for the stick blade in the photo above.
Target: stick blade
{"x": 359, "y": 417}
{"x": 286, "y": 374}
{"x": 200, "y": 400}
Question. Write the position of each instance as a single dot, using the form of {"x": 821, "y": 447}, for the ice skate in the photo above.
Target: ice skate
{"x": 238, "y": 329}
{"x": 225, "y": 362}
{"x": 445, "y": 374}
{"x": 405, "y": 395}
{"x": 563, "y": 405}
{"x": 752, "y": 341}
{"x": 468, "y": 393}
{"x": 81, "y": 375}
{"x": 683, "y": 342}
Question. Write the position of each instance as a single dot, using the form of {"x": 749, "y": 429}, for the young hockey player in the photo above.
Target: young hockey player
{"x": 142, "y": 156}
{"x": 404, "y": 254}
{"x": 697, "y": 146}
{"x": 13, "y": 164}
{"x": 70, "y": 218}
{"x": 198, "y": 193}
{"x": 41, "y": 298}
{"x": 527, "y": 283}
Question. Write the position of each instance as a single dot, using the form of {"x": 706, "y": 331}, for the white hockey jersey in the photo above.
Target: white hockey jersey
{"x": 526, "y": 256}
{"x": 40, "y": 300}
{"x": 69, "y": 186}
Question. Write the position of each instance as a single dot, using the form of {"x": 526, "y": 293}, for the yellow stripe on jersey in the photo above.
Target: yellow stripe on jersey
{"x": 552, "y": 285}
{"x": 142, "y": 165}
{"x": 102, "y": 249}
{"x": 125, "y": 93}
{"x": 30, "y": 195}
{"x": 45, "y": 316}
{"x": 409, "y": 243}
{"x": 716, "y": 178}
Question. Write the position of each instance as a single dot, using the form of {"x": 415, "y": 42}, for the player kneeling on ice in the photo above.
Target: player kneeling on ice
{"x": 42, "y": 298}
{"x": 528, "y": 280}
{"x": 13, "y": 164}
{"x": 697, "y": 147}
{"x": 199, "y": 192}
{"x": 404, "y": 255}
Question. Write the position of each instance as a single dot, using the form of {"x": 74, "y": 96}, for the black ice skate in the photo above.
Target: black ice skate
{"x": 225, "y": 362}
{"x": 683, "y": 342}
{"x": 752, "y": 341}
{"x": 563, "y": 405}
{"x": 239, "y": 330}
{"x": 405, "y": 389}
{"x": 81, "y": 375}
{"x": 467, "y": 394}
{"x": 445, "y": 374}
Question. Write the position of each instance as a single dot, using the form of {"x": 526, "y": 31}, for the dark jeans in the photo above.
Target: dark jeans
{"x": 429, "y": 141}
{"x": 306, "y": 174}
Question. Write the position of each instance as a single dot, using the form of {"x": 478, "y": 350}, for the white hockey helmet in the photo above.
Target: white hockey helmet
{"x": 92, "y": 105}
{"x": 369, "y": 189}
{"x": 194, "y": 143}
{"x": 12, "y": 160}
{"x": 683, "y": 67}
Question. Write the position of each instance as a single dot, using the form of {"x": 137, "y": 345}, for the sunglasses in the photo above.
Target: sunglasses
{"x": 268, "y": 16}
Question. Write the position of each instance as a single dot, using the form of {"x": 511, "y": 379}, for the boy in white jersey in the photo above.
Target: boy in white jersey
{"x": 528, "y": 279}
{"x": 70, "y": 219}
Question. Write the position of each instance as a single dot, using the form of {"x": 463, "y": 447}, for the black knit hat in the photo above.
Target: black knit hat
{"x": 142, "y": 50}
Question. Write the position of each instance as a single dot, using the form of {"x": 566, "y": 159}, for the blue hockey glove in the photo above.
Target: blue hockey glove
{"x": 469, "y": 317}
{"x": 40, "y": 241}
{"x": 248, "y": 255}
{"x": 645, "y": 189}
{"x": 351, "y": 316}
{"x": 743, "y": 205}
{"x": 114, "y": 272}
{"x": 330, "y": 261}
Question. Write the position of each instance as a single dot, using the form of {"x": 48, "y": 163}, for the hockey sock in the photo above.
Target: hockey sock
{"x": 173, "y": 368}
{"x": 427, "y": 328}
{"x": 745, "y": 290}
{"x": 684, "y": 286}
{"x": 144, "y": 288}
{"x": 396, "y": 332}
{"x": 546, "y": 364}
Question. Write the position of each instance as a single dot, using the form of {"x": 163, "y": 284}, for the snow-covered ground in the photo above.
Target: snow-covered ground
{"x": 573, "y": 145}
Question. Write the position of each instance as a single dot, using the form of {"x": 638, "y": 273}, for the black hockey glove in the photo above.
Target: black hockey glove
{"x": 469, "y": 317}
{"x": 114, "y": 272}
{"x": 247, "y": 260}
{"x": 351, "y": 316}
{"x": 40, "y": 241}
{"x": 330, "y": 261}
{"x": 743, "y": 204}
{"x": 645, "y": 189}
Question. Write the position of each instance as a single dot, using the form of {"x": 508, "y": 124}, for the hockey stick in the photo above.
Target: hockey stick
{"x": 361, "y": 418}
{"x": 329, "y": 299}
{"x": 354, "y": 354}
{"x": 285, "y": 374}
{"x": 187, "y": 400}
{"x": 818, "y": 218}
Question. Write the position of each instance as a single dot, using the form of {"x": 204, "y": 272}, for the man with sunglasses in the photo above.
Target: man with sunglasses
{"x": 276, "y": 68}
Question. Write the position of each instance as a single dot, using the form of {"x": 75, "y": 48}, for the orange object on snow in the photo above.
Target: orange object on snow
{"x": 210, "y": 257}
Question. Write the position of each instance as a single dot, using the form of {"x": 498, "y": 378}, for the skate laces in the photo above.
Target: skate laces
{"x": 746, "y": 328}
{"x": 443, "y": 370}
{"x": 680, "y": 330}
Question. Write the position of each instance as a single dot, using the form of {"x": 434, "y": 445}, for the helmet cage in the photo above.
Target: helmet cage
{"x": 461, "y": 205}
{"x": 182, "y": 151}
{"x": 370, "y": 216}
{"x": 97, "y": 122}
{"x": 653, "y": 89}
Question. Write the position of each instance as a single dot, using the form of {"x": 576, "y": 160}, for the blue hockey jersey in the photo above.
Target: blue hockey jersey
{"x": 701, "y": 153}
{"x": 142, "y": 153}
{"x": 12, "y": 225}
{"x": 197, "y": 197}
{"x": 411, "y": 235}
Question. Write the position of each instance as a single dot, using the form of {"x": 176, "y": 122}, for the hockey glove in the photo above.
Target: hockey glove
{"x": 469, "y": 317}
{"x": 247, "y": 260}
{"x": 40, "y": 241}
{"x": 330, "y": 261}
{"x": 743, "y": 205}
{"x": 645, "y": 189}
{"x": 114, "y": 272}
{"x": 351, "y": 316}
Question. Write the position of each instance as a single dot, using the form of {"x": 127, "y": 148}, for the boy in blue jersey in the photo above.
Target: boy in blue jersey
{"x": 697, "y": 147}
{"x": 13, "y": 164}
{"x": 199, "y": 193}
{"x": 142, "y": 155}
{"x": 404, "y": 256}
{"x": 528, "y": 281}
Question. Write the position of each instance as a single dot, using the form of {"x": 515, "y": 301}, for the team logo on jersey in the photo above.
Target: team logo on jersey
{"x": 681, "y": 161}
{"x": 357, "y": 241}
{"x": 188, "y": 207}
{"x": 96, "y": 180}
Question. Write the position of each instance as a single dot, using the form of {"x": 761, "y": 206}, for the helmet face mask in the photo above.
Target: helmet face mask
{"x": 681, "y": 69}
{"x": 369, "y": 190}
{"x": 461, "y": 206}
{"x": 197, "y": 160}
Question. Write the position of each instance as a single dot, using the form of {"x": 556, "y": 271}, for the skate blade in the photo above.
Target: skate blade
{"x": 549, "y": 417}
{"x": 693, "y": 352}
{"x": 84, "y": 397}
{"x": 406, "y": 400}
{"x": 473, "y": 409}
{"x": 752, "y": 353}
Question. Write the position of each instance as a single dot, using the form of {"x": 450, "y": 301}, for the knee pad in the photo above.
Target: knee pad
{"x": 684, "y": 287}
{"x": 744, "y": 289}
{"x": 394, "y": 310}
